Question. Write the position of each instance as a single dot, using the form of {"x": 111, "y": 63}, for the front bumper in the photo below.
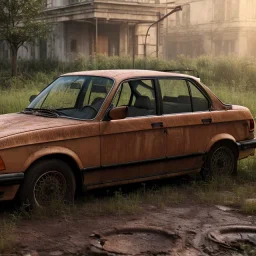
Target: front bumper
{"x": 11, "y": 179}
{"x": 247, "y": 144}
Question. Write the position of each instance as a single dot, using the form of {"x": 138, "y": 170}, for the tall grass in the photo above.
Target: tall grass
{"x": 232, "y": 79}
{"x": 7, "y": 238}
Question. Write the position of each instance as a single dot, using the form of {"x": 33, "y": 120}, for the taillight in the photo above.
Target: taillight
{"x": 252, "y": 125}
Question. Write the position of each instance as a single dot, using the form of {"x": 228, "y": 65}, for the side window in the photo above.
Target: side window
{"x": 146, "y": 89}
{"x": 123, "y": 96}
{"x": 200, "y": 103}
{"x": 144, "y": 102}
{"x": 139, "y": 96}
{"x": 175, "y": 96}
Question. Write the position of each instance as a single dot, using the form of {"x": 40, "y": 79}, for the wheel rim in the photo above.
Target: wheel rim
{"x": 49, "y": 187}
{"x": 222, "y": 162}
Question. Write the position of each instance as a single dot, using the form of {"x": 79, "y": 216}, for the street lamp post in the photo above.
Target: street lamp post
{"x": 176, "y": 9}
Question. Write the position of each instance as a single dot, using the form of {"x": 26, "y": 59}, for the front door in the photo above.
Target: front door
{"x": 131, "y": 146}
{"x": 188, "y": 122}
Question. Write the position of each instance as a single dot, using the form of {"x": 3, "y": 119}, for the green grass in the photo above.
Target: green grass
{"x": 7, "y": 238}
{"x": 232, "y": 80}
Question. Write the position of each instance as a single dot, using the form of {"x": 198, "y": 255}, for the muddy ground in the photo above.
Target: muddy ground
{"x": 72, "y": 235}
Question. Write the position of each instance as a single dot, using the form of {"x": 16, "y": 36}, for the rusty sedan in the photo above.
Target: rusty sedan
{"x": 96, "y": 129}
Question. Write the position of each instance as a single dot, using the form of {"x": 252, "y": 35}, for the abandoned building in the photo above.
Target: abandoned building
{"x": 212, "y": 27}
{"x": 85, "y": 27}
{"x": 118, "y": 27}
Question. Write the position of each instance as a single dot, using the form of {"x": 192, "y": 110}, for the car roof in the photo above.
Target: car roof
{"x": 123, "y": 74}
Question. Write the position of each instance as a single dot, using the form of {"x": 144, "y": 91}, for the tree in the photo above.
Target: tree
{"x": 22, "y": 21}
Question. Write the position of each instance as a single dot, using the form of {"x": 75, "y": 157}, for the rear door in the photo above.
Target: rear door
{"x": 188, "y": 121}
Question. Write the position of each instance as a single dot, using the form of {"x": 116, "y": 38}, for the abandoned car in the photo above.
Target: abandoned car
{"x": 95, "y": 129}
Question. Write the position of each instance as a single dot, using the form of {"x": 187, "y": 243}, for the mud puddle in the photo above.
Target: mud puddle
{"x": 174, "y": 231}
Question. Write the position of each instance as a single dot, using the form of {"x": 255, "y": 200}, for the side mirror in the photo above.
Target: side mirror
{"x": 118, "y": 113}
{"x": 32, "y": 97}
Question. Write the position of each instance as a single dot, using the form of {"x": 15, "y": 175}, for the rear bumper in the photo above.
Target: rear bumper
{"x": 11, "y": 179}
{"x": 247, "y": 144}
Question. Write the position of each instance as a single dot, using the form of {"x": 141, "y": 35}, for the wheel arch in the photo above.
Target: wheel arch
{"x": 63, "y": 154}
{"x": 222, "y": 139}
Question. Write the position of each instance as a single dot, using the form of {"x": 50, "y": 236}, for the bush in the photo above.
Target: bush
{"x": 214, "y": 70}
{"x": 231, "y": 78}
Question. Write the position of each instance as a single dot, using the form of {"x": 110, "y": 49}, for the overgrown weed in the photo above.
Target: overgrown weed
{"x": 119, "y": 204}
{"x": 232, "y": 79}
{"x": 7, "y": 237}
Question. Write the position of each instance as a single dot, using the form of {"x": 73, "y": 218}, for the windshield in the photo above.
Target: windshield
{"x": 74, "y": 96}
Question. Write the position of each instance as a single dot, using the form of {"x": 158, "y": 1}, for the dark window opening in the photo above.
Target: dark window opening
{"x": 73, "y": 46}
{"x": 43, "y": 49}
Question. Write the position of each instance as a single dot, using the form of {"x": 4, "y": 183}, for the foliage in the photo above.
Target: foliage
{"x": 224, "y": 71}
{"x": 19, "y": 24}
{"x": 7, "y": 238}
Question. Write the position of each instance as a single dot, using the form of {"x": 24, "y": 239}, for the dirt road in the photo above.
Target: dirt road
{"x": 70, "y": 235}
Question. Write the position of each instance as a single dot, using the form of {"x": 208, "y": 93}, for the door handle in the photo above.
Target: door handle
{"x": 157, "y": 125}
{"x": 207, "y": 121}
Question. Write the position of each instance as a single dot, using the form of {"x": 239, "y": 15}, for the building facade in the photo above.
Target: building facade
{"x": 118, "y": 27}
{"x": 86, "y": 27}
{"x": 212, "y": 27}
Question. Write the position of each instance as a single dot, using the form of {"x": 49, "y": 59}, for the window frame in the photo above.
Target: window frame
{"x": 187, "y": 80}
{"x": 203, "y": 93}
{"x": 156, "y": 89}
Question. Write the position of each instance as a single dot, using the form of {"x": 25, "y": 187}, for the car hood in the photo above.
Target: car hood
{"x": 22, "y": 129}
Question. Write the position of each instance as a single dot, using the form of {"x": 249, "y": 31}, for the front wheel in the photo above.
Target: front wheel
{"x": 46, "y": 182}
{"x": 220, "y": 161}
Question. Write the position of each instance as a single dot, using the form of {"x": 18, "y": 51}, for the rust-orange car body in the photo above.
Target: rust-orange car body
{"x": 114, "y": 152}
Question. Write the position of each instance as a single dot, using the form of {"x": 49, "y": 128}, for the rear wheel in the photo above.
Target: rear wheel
{"x": 220, "y": 161}
{"x": 46, "y": 182}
